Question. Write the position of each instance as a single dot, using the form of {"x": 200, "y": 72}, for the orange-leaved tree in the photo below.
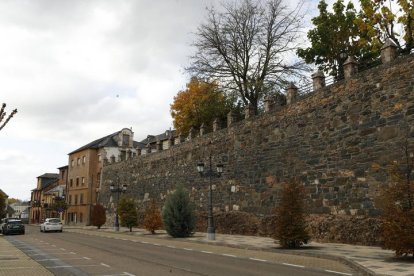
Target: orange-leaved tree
{"x": 398, "y": 207}
{"x": 153, "y": 220}
{"x": 201, "y": 102}
{"x": 291, "y": 229}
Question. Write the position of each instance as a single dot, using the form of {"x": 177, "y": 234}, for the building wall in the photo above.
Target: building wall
{"x": 338, "y": 141}
{"x": 80, "y": 195}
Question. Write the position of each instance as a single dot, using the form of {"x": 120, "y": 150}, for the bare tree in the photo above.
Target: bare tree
{"x": 248, "y": 48}
{"x": 3, "y": 115}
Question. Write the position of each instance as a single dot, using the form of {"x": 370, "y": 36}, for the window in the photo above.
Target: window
{"x": 79, "y": 160}
{"x": 72, "y": 163}
{"x": 81, "y": 199}
{"x": 84, "y": 160}
{"x": 80, "y": 217}
{"x": 77, "y": 181}
{"x": 125, "y": 140}
{"x": 71, "y": 182}
{"x": 83, "y": 181}
{"x": 70, "y": 199}
{"x": 98, "y": 179}
{"x": 99, "y": 158}
{"x": 76, "y": 199}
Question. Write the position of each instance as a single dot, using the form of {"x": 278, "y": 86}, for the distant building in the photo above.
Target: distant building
{"x": 39, "y": 202}
{"x": 21, "y": 210}
{"x": 85, "y": 168}
{"x": 154, "y": 143}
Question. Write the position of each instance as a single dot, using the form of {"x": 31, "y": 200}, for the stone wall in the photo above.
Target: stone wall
{"x": 337, "y": 140}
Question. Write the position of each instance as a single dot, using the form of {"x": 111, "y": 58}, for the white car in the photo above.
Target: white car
{"x": 51, "y": 224}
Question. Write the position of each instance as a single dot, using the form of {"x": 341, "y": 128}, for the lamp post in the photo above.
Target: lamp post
{"x": 211, "y": 231}
{"x": 119, "y": 189}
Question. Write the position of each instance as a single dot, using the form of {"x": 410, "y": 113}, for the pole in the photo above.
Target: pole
{"x": 116, "y": 214}
{"x": 211, "y": 232}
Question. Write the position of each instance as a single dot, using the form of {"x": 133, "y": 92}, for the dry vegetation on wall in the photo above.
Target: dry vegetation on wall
{"x": 323, "y": 228}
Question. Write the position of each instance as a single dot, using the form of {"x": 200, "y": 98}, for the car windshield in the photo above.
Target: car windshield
{"x": 54, "y": 220}
{"x": 15, "y": 222}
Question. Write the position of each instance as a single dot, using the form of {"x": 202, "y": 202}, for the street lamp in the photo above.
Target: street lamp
{"x": 119, "y": 189}
{"x": 211, "y": 231}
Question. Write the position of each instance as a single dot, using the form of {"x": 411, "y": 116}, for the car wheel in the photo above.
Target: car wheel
{"x": 61, "y": 231}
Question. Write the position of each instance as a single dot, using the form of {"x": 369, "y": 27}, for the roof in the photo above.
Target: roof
{"x": 160, "y": 137}
{"x": 49, "y": 175}
{"x": 106, "y": 141}
{"x": 63, "y": 167}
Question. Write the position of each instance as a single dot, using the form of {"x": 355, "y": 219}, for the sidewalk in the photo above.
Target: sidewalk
{"x": 15, "y": 262}
{"x": 369, "y": 260}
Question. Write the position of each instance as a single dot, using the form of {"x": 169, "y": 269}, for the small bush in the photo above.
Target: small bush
{"x": 98, "y": 216}
{"x": 127, "y": 212}
{"x": 178, "y": 214}
{"x": 153, "y": 220}
{"x": 291, "y": 228}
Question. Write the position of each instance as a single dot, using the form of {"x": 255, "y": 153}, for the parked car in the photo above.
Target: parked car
{"x": 51, "y": 224}
{"x": 12, "y": 226}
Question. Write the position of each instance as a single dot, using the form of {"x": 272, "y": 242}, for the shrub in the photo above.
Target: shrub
{"x": 98, "y": 215}
{"x": 152, "y": 219}
{"x": 291, "y": 228}
{"x": 127, "y": 212}
{"x": 178, "y": 214}
{"x": 398, "y": 210}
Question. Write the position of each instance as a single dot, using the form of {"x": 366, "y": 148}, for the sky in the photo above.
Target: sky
{"x": 79, "y": 70}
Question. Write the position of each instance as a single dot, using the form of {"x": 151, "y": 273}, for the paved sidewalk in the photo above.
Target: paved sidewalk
{"x": 368, "y": 260}
{"x": 15, "y": 262}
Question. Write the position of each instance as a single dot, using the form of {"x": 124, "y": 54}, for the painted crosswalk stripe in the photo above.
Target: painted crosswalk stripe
{"x": 105, "y": 265}
{"x": 337, "y": 272}
{"x": 207, "y": 252}
{"x": 229, "y": 255}
{"x": 260, "y": 260}
{"x": 293, "y": 265}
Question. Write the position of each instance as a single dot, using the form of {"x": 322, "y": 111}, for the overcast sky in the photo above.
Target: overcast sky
{"x": 80, "y": 70}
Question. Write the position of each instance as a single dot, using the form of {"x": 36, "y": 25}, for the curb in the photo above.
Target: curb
{"x": 357, "y": 267}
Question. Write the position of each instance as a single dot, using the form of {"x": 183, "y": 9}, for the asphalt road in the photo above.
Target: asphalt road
{"x": 79, "y": 254}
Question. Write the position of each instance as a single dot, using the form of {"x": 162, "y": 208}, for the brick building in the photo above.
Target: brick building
{"x": 84, "y": 171}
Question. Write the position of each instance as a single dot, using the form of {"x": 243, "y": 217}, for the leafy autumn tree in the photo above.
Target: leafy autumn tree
{"x": 335, "y": 37}
{"x": 383, "y": 19}
{"x": 59, "y": 205}
{"x": 153, "y": 220}
{"x": 2, "y": 205}
{"x": 178, "y": 214}
{"x": 201, "y": 102}
{"x": 398, "y": 208}
{"x": 14, "y": 200}
{"x": 127, "y": 212}
{"x": 291, "y": 227}
{"x": 245, "y": 46}
{"x": 3, "y": 116}
{"x": 98, "y": 215}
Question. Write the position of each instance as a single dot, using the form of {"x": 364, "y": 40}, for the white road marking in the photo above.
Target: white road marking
{"x": 293, "y": 265}
{"x": 63, "y": 249}
{"x": 72, "y": 253}
{"x": 105, "y": 265}
{"x": 128, "y": 274}
{"x": 156, "y": 244}
{"x": 337, "y": 272}
{"x": 53, "y": 245}
{"x": 86, "y": 258}
{"x": 188, "y": 249}
{"x": 169, "y": 246}
{"x": 124, "y": 239}
{"x": 260, "y": 260}
{"x": 208, "y": 252}
{"x": 229, "y": 255}
{"x": 145, "y": 242}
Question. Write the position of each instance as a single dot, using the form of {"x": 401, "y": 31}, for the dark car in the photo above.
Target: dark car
{"x": 12, "y": 226}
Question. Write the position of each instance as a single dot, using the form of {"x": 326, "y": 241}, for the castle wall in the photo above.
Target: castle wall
{"x": 337, "y": 141}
